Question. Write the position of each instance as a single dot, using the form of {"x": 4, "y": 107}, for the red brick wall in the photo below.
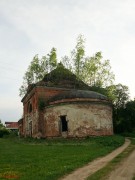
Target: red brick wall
{"x": 45, "y": 123}
{"x": 33, "y": 98}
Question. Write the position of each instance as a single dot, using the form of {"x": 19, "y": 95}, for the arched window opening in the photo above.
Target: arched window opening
{"x": 64, "y": 124}
{"x": 29, "y": 107}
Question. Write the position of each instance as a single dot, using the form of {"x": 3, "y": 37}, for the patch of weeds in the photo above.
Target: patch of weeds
{"x": 129, "y": 134}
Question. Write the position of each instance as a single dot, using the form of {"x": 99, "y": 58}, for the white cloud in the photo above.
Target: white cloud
{"x": 32, "y": 27}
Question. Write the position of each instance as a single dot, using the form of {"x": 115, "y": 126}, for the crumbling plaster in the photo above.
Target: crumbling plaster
{"x": 83, "y": 119}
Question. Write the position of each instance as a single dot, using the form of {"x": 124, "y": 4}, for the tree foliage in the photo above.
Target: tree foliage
{"x": 52, "y": 59}
{"x": 97, "y": 72}
{"x": 66, "y": 61}
{"x": 122, "y": 96}
{"x": 37, "y": 70}
{"x": 119, "y": 94}
{"x": 124, "y": 118}
{"x": 94, "y": 71}
{"x": 77, "y": 55}
{"x": 3, "y": 130}
{"x": 1, "y": 125}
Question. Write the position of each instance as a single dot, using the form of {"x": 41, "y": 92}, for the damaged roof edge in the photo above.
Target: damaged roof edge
{"x": 71, "y": 94}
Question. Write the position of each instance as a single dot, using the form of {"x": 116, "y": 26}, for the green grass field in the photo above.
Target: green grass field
{"x": 28, "y": 159}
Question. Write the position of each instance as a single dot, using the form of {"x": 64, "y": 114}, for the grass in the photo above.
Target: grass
{"x": 27, "y": 159}
{"x": 129, "y": 134}
{"x": 103, "y": 173}
{"x": 133, "y": 178}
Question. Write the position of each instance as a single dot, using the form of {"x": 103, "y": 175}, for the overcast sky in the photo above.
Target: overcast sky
{"x": 29, "y": 27}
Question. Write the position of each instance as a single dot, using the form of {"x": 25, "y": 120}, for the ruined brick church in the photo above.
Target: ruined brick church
{"x": 61, "y": 105}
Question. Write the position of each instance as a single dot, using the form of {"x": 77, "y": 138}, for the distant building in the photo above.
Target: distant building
{"x": 62, "y": 106}
{"x": 13, "y": 126}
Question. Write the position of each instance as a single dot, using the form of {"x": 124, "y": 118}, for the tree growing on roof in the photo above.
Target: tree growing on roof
{"x": 94, "y": 71}
{"x": 78, "y": 56}
{"x": 37, "y": 70}
{"x": 97, "y": 72}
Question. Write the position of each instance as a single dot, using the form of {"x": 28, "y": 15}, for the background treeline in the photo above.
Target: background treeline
{"x": 94, "y": 71}
{"x": 3, "y": 130}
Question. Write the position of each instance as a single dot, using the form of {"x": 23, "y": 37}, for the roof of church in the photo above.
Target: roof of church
{"x": 63, "y": 78}
{"x": 73, "y": 94}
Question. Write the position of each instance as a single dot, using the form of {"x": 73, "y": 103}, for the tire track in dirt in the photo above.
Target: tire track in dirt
{"x": 126, "y": 169}
{"x": 92, "y": 167}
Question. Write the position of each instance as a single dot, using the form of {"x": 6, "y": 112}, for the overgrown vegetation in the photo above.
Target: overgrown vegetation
{"x": 41, "y": 104}
{"x": 93, "y": 71}
{"x": 3, "y": 130}
{"x": 26, "y": 159}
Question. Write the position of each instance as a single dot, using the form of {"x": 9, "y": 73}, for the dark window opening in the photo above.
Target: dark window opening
{"x": 64, "y": 124}
{"x": 30, "y": 108}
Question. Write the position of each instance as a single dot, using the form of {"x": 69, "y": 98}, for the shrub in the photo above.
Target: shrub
{"x": 3, "y": 132}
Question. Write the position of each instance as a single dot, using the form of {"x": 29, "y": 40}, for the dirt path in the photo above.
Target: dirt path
{"x": 126, "y": 169}
{"x": 92, "y": 167}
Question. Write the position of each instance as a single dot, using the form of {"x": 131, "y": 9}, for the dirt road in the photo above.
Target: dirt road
{"x": 92, "y": 167}
{"x": 126, "y": 169}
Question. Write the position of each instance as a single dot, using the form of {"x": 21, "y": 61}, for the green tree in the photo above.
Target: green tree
{"x": 130, "y": 113}
{"x": 34, "y": 73}
{"x": 37, "y": 70}
{"x": 78, "y": 56}
{"x": 124, "y": 120}
{"x": 1, "y": 125}
{"x": 66, "y": 61}
{"x": 92, "y": 70}
{"x": 97, "y": 72}
{"x": 52, "y": 59}
{"x": 119, "y": 94}
{"x": 3, "y": 130}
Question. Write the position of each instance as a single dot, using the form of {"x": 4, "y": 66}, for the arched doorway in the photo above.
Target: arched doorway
{"x": 63, "y": 126}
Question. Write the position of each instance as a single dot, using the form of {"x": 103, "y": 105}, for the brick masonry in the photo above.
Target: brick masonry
{"x": 82, "y": 117}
